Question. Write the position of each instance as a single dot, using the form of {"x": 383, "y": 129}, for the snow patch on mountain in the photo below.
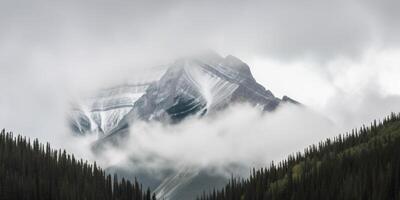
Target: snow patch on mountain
{"x": 102, "y": 113}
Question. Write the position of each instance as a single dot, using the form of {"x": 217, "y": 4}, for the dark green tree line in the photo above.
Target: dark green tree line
{"x": 363, "y": 164}
{"x": 34, "y": 171}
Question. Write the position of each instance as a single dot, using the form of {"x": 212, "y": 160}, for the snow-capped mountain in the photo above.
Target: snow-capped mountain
{"x": 190, "y": 86}
{"x": 193, "y": 86}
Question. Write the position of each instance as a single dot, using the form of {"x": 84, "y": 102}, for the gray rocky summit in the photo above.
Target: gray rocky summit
{"x": 197, "y": 85}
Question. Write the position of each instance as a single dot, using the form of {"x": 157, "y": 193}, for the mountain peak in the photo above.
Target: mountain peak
{"x": 233, "y": 61}
{"x": 238, "y": 65}
{"x": 195, "y": 85}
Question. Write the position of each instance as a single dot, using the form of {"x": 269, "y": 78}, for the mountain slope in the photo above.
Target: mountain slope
{"x": 209, "y": 84}
{"x": 102, "y": 113}
{"x": 363, "y": 164}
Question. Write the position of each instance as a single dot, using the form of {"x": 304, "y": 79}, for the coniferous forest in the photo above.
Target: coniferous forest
{"x": 34, "y": 171}
{"x": 363, "y": 164}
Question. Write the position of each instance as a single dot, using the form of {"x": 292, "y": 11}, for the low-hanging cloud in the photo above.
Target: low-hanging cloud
{"x": 239, "y": 136}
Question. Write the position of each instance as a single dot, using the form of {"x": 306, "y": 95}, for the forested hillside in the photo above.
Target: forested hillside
{"x": 363, "y": 164}
{"x": 34, "y": 171}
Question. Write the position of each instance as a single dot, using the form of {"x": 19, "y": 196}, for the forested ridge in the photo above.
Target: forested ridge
{"x": 34, "y": 171}
{"x": 363, "y": 164}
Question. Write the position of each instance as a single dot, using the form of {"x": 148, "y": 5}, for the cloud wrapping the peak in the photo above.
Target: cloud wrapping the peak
{"x": 241, "y": 135}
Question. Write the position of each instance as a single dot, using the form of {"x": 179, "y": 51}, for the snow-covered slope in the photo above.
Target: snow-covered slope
{"x": 173, "y": 183}
{"x": 103, "y": 112}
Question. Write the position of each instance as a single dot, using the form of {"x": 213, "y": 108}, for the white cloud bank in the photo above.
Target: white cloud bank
{"x": 348, "y": 91}
{"x": 239, "y": 136}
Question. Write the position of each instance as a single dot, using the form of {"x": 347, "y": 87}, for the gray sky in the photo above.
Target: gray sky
{"x": 340, "y": 58}
{"x": 284, "y": 29}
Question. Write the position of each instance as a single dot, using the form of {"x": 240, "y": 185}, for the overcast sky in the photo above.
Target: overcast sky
{"x": 340, "y": 58}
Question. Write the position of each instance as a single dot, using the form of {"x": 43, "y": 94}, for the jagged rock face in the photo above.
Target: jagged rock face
{"x": 190, "y": 86}
{"x": 198, "y": 86}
